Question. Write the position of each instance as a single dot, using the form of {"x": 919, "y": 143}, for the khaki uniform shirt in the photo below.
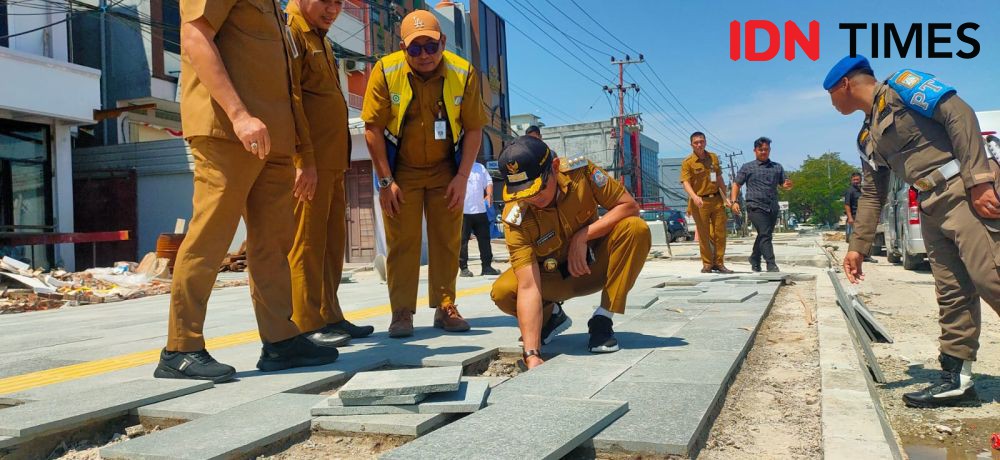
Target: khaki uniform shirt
{"x": 897, "y": 138}
{"x": 418, "y": 148}
{"x": 254, "y": 47}
{"x": 322, "y": 97}
{"x": 698, "y": 172}
{"x": 535, "y": 234}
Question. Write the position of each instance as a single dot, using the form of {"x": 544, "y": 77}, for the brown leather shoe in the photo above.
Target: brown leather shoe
{"x": 402, "y": 324}
{"x": 706, "y": 269}
{"x": 722, "y": 269}
{"x": 448, "y": 318}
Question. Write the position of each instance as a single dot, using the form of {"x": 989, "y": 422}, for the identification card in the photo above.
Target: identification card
{"x": 291, "y": 43}
{"x": 440, "y": 130}
{"x": 713, "y": 177}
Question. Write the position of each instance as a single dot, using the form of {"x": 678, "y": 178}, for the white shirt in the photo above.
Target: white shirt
{"x": 475, "y": 189}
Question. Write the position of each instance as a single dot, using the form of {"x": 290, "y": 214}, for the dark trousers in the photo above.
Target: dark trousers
{"x": 480, "y": 225}
{"x": 763, "y": 221}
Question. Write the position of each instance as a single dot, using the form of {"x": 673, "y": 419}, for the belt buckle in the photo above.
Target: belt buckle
{"x": 924, "y": 184}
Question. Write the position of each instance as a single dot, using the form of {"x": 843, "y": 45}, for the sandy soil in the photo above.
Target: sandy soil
{"x": 903, "y": 301}
{"x": 772, "y": 409}
{"x": 324, "y": 445}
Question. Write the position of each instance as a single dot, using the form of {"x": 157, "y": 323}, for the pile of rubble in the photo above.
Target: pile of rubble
{"x": 30, "y": 289}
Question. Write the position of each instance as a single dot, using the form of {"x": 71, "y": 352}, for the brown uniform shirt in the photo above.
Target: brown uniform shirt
{"x": 315, "y": 68}
{"x": 252, "y": 42}
{"x": 897, "y": 138}
{"x": 418, "y": 148}
{"x": 537, "y": 234}
{"x": 698, "y": 173}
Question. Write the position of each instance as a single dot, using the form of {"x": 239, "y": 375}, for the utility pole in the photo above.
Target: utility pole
{"x": 103, "y": 6}
{"x": 743, "y": 230}
{"x": 622, "y": 89}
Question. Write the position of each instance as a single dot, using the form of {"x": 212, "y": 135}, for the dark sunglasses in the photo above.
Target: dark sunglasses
{"x": 429, "y": 47}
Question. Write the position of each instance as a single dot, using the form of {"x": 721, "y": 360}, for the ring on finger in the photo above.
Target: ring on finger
{"x": 254, "y": 146}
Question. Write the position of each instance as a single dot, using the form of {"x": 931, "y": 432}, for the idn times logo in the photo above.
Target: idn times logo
{"x": 762, "y": 40}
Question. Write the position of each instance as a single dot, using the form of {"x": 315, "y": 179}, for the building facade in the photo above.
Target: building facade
{"x": 672, "y": 192}
{"x": 520, "y": 123}
{"x": 44, "y": 99}
{"x": 598, "y": 141}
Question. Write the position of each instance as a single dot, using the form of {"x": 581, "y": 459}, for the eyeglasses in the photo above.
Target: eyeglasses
{"x": 429, "y": 47}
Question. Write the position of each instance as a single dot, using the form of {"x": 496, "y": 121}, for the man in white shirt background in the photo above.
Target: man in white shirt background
{"x": 478, "y": 195}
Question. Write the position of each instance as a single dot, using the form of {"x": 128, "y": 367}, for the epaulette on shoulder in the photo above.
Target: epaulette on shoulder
{"x": 570, "y": 164}
{"x": 513, "y": 214}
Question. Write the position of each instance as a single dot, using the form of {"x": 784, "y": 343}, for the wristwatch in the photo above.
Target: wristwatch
{"x": 384, "y": 182}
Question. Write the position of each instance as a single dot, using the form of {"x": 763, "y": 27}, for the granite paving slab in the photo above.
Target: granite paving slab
{"x": 683, "y": 366}
{"x": 715, "y": 339}
{"x": 557, "y": 426}
{"x": 397, "y": 424}
{"x": 402, "y": 382}
{"x": 640, "y": 301}
{"x": 724, "y": 296}
{"x": 747, "y": 281}
{"x": 228, "y": 434}
{"x": 41, "y": 417}
{"x": 470, "y": 397}
{"x": 335, "y": 400}
{"x": 663, "y": 418}
{"x": 7, "y": 441}
{"x": 254, "y": 385}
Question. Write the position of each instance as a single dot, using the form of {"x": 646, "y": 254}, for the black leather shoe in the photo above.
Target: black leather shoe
{"x": 948, "y": 391}
{"x": 297, "y": 351}
{"x": 348, "y": 328}
{"x": 773, "y": 268}
{"x": 490, "y": 271}
{"x": 326, "y": 338}
{"x": 194, "y": 365}
{"x": 602, "y": 336}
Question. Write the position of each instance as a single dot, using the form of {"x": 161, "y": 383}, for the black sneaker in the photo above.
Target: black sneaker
{"x": 557, "y": 324}
{"x": 948, "y": 391}
{"x": 602, "y": 337}
{"x": 348, "y": 328}
{"x": 490, "y": 271}
{"x": 466, "y": 273}
{"x": 297, "y": 351}
{"x": 773, "y": 268}
{"x": 755, "y": 266}
{"x": 194, "y": 365}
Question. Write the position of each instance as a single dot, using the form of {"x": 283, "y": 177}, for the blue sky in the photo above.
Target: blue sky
{"x": 686, "y": 44}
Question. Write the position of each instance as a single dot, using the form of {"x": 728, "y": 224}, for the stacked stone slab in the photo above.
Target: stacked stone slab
{"x": 423, "y": 397}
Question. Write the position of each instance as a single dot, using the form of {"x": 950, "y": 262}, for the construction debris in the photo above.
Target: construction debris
{"x": 24, "y": 289}
{"x": 235, "y": 261}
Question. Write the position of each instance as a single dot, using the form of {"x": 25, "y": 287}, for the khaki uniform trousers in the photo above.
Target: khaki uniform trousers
{"x": 964, "y": 258}
{"x": 618, "y": 259}
{"x": 710, "y": 222}
{"x": 423, "y": 194}
{"x": 228, "y": 183}
{"x": 317, "y": 256}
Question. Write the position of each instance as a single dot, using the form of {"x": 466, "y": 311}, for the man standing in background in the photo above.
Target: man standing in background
{"x": 762, "y": 178}
{"x": 478, "y": 195}
{"x": 707, "y": 202}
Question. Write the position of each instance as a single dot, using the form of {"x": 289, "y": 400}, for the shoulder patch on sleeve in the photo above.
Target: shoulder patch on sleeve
{"x": 570, "y": 164}
{"x": 599, "y": 177}
{"x": 513, "y": 215}
{"x": 918, "y": 90}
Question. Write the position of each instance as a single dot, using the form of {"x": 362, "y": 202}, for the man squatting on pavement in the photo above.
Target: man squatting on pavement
{"x": 919, "y": 128}
{"x": 559, "y": 249}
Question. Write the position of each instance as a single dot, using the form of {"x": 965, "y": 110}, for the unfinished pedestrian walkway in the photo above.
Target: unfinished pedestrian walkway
{"x": 683, "y": 340}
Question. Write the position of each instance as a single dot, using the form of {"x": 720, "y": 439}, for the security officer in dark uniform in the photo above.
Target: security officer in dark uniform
{"x": 919, "y": 128}
{"x": 559, "y": 249}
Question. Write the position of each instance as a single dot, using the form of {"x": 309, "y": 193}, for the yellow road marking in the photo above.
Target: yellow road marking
{"x": 100, "y": 366}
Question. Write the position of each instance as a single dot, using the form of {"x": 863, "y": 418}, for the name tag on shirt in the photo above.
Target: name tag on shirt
{"x": 440, "y": 130}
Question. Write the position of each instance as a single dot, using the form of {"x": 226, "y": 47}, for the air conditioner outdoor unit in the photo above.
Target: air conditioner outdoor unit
{"x": 351, "y": 65}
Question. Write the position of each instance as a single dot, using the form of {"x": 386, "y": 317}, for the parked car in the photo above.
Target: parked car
{"x": 675, "y": 221}
{"x": 901, "y": 238}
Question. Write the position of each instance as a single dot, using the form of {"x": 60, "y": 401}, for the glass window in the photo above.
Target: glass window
{"x": 25, "y": 186}
{"x": 3, "y": 24}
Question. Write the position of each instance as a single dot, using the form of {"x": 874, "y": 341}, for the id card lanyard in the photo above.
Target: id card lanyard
{"x": 440, "y": 124}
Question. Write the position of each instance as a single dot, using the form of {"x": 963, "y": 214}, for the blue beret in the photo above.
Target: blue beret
{"x": 844, "y": 67}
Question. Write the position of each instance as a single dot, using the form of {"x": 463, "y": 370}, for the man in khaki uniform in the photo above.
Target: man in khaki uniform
{"x": 559, "y": 249}
{"x": 706, "y": 189}
{"x": 918, "y": 127}
{"x": 240, "y": 110}
{"x": 421, "y": 103}
{"x": 317, "y": 257}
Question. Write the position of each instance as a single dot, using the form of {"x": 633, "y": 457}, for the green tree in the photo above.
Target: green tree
{"x": 818, "y": 189}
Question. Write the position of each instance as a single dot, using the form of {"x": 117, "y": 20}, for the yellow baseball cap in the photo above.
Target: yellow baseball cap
{"x": 419, "y": 23}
